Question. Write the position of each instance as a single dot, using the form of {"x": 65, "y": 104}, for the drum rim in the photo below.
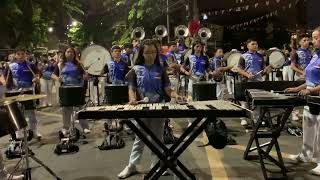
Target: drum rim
{"x": 232, "y": 53}
{"x": 278, "y": 51}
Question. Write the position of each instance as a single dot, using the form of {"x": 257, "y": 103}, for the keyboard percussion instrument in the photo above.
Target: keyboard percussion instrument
{"x": 203, "y": 111}
{"x": 217, "y": 108}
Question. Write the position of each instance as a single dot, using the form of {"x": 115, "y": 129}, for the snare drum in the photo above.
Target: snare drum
{"x": 72, "y": 95}
{"x": 204, "y": 90}
{"x": 116, "y": 94}
{"x": 28, "y": 105}
{"x": 12, "y": 118}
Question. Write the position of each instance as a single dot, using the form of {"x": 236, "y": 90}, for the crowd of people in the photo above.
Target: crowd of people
{"x": 150, "y": 72}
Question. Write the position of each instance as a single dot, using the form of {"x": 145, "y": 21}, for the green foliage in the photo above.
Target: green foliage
{"x": 77, "y": 35}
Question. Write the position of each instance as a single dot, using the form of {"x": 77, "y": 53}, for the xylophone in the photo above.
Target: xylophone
{"x": 216, "y": 108}
{"x": 203, "y": 111}
{"x": 267, "y": 101}
{"x": 261, "y": 97}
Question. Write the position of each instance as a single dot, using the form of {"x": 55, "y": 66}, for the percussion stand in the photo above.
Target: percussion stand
{"x": 26, "y": 157}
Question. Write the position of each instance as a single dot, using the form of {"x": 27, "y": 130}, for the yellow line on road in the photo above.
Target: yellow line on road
{"x": 215, "y": 161}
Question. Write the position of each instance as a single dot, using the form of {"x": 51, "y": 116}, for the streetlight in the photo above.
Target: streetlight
{"x": 50, "y": 29}
{"x": 74, "y": 23}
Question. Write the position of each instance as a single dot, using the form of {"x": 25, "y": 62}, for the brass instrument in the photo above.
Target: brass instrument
{"x": 138, "y": 33}
{"x": 205, "y": 34}
{"x": 161, "y": 31}
{"x": 181, "y": 31}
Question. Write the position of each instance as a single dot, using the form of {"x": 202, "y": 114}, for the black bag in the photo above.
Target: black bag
{"x": 217, "y": 134}
{"x": 168, "y": 137}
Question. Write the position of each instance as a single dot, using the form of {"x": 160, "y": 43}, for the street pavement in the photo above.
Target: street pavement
{"x": 206, "y": 163}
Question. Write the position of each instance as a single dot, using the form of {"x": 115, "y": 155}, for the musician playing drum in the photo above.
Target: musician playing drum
{"x": 299, "y": 61}
{"x": 21, "y": 75}
{"x": 117, "y": 68}
{"x": 70, "y": 73}
{"x": 199, "y": 65}
{"x": 252, "y": 68}
{"x": 217, "y": 70}
{"x": 146, "y": 79}
{"x": 311, "y": 122}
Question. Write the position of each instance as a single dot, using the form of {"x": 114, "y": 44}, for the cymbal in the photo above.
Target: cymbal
{"x": 24, "y": 97}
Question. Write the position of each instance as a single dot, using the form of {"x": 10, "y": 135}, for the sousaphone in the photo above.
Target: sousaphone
{"x": 138, "y": 33}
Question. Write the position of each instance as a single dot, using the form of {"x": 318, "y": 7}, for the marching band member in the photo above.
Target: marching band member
{"x": 22, "y": 74}
{"x": 217, "y": 69}
{"x": 195, "y": 67}
{"x": 162, "y": 58}
{"x": 117, "y": 68}
{"x": 46, "y": 81}
{"x": 127, "y": 56}
{"x": 287, "y": 72}
{"x": 300, "y": 58}
{"x": 198, "y": 63}
{"x": 70, "y": 72}
{"x": 146, "y": 79}
{"x": 3, "y": 173}
{"x": 311, "y": 122}
{"x": 173, "y": 66}
{"x": 299, "y": 61}
{"x": 252, "y": 69}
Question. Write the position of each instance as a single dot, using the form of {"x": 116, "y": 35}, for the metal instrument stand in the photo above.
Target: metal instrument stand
{"x": 26, "y": 157}
{"x": 169, "y": 156}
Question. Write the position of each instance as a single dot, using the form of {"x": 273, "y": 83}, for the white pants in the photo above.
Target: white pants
{"x": 46, "y": 88}
{"x": 30, "y": 116}
{"x": 93, "y": 91}
{"x": 273, "y": 76}
{"x": 156, "y": 125}
{"x": 230, "y": 84}
{"x": 68, "y": 115}
{"x": 190, "y": 87}
{"x": 287, "y": 73}
{"x": 220, "y": 90}
{"x": 174, "y": 83}
{"x": 311, "y": 135}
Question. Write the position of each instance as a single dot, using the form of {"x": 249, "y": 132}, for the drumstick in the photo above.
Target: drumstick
{"x": 145, "y": 100}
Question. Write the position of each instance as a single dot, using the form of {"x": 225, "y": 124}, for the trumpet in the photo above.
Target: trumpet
{"x": 138, "y": 33}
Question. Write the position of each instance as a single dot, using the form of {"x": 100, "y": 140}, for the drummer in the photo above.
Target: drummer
{"x": 199, "y": 65}
{"x": 127, "y": 56}
{"x": 311, "y": 121}
{"x": 21, "y": 75}
{"x": 70, "y": 72}
{"x": 299, "y": 61}
{"x": 217, "y": 70}
{"x": 250, "y": 66}
{"x": 117, "y": 68}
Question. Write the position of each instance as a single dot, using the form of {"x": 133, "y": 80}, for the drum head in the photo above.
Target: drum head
{"x": 94, "y": 58}
{"x": 234, "y": 59}
{"x": 276, "y": 59}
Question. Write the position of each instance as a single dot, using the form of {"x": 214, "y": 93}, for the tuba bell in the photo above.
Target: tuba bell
{"x": 161, "y": 31}
{"x": 205, "y": 34}
{"x": 138, "y": 33}
{"x": 181, "y": 31}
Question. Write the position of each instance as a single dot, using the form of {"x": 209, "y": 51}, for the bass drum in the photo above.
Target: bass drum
{"x": 275, "y": 58}
{"x": 233, "y": 58}
{"x": 94, "y": 58}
